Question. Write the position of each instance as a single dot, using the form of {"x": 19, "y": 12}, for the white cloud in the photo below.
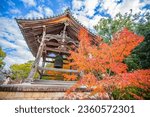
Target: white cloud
{"x": 9, "y": 29}
{"x": 29, "y": 2}
{"x": 95, "y": 20}
{"x": 90, "y": 6}
{"x": 34, "y": 14}
{"x": 84, "y": 9}
{"x": 15, "y": 11}
{"x": 12, "y": 39}
{"x": 10, "y": 60}
{"x": 6, "y": 44}
{"x": 63, "y": 7}
{"x": 83, "y": 19}
{"x": 113, "y": 8}
{"x": 48, "y": 11}
{"x": 41, "y": 11}
{"x": 77, "y": 4}
{"x": 147, "y": 1}
{"x": 88, "y": 23}
{"x": 86, "y": 6}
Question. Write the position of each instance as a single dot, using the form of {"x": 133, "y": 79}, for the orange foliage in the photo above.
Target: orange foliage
{"x": 57, "y": 74}
{"x": 139, "y": 78}
{"x": 69, "y": 77}
{"x": 105, "y": 56}
{"x": 103, "y": 65}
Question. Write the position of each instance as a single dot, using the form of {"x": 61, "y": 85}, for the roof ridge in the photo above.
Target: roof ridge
{"x": 67, "y": 11}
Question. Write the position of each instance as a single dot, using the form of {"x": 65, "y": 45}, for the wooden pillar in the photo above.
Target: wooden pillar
{"x": 64, "y": 31}
{"x": 43, "y": 65}
{"x": 38, "y": 56}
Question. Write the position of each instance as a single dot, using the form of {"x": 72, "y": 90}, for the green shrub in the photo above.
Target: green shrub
{"x": 125, "y": 94}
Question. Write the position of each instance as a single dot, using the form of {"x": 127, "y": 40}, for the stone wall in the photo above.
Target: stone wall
{"x": 5, "y": 95}
{"x": 53, "y": 90}
{"x": 25, "y": 91}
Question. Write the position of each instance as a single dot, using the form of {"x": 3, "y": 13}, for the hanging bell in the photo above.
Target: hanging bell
{"x": 58, "y": 61}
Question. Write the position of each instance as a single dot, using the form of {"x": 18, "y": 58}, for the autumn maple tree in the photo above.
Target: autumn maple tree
{"x": 102, "y": 64}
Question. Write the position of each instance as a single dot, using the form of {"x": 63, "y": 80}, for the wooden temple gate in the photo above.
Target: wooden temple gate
{"x": 49, "y": 39}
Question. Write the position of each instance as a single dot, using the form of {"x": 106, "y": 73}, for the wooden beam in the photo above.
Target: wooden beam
{"x": 49, "y": 61}
{"x": 59, "y": 70}
{"x": 54, "y": 61}
{"x": 55, "y": 57}
{"x": 52, "y": 44}
{"x": 38, "y": 56}
{"x": 56, "y": 50}
{"x": 51, "y": 75}
{"x": 57, "y": 37}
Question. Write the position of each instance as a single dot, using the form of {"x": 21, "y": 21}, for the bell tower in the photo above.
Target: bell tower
{"x": 50, "y": 39}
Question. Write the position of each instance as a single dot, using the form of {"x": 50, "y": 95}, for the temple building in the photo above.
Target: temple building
{"x": 50, "y": 39}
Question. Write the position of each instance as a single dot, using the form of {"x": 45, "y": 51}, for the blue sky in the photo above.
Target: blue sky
{"x": 88, "y": 12}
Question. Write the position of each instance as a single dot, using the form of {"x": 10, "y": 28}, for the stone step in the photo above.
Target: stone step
{"x": 54, "y": 82}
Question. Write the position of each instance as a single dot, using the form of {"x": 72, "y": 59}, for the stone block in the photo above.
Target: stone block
{"x": 3, "y": 95}
{"x": 28, "y": 94}
{"x": 19, "y": 95}
{"x": 36, "y": 95}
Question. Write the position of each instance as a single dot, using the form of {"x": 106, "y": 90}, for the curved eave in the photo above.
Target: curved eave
{"x": 29, "y": 27}
{"x": 55, "y": 18}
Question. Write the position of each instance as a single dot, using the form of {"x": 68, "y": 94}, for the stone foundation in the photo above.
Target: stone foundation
{"x": 38, "y": 90}
{"x": 31, "y": 91}
{"x": 31, "y": 95}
